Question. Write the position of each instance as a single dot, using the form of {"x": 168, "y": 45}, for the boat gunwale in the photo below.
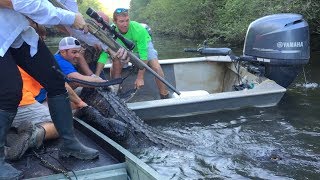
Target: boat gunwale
{"x": 257, "y": 91}
{"x": 187, "y": 60}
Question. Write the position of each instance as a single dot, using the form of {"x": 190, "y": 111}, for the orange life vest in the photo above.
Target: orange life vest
{"x": 30, "y": 89}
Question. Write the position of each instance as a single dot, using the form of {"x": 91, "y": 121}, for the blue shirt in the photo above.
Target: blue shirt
{"x": 15, "y": 28}
{"x": 65, "y": 66}
{"x": 42, "y": 96}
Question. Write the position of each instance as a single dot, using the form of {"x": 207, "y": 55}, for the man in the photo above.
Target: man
{"x": 135, "y": 32}
{"x": 20, "y": 45}
{"x": 88, "y": 38}
{"x": 97, "y": 58}
{"x": 69, "y": 52}
{"x": 33, "y": 119}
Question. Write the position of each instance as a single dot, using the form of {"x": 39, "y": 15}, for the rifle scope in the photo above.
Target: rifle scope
{"x": 93, "y": 14}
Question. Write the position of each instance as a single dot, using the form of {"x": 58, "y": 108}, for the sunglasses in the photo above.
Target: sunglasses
{"x": 120, "y": 10}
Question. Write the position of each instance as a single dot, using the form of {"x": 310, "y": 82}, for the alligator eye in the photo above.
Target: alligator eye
{"x": 274, "y": 158}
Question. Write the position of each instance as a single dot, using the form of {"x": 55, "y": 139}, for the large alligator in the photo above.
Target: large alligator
{"x": 110, "y": 115}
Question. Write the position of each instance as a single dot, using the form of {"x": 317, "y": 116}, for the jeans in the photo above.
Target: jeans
{"x": 39, "y": 67}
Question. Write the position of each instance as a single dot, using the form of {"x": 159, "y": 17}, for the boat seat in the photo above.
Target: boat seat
{"x": 190, "y": 94}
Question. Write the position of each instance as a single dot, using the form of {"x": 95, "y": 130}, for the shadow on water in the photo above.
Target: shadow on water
{"x": 280, "y": 142}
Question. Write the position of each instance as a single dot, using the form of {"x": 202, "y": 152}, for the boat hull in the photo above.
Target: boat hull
{"x": 181, "y": 107}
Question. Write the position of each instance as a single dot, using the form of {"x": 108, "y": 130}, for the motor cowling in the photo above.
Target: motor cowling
{"x": 282, "y": 43}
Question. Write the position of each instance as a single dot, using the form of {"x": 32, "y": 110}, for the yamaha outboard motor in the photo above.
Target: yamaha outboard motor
{"x": 281, "y": 42}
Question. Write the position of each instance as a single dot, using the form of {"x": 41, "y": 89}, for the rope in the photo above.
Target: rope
{"x": 48, "y": 165}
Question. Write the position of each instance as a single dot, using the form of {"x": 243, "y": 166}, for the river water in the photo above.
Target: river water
{"x": 280, "y": 142}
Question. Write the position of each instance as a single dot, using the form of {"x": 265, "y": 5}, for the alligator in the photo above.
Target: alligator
{"x": 108, "y": 113}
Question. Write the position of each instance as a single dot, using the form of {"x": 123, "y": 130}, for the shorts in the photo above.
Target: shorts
{"x": 36, "y": 113}
{"x": 152, "y": 53}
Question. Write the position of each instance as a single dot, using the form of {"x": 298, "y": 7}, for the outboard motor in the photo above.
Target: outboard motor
{"x": 281, "y": 42}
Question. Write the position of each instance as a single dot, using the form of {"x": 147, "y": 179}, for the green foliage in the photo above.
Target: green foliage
{"x": 311, "y": 11}
{"x": 222, "y": 20}
{"x": 85, "y": 4}
{"x": 137, "y": 8}
{"x": 178, "y": 17}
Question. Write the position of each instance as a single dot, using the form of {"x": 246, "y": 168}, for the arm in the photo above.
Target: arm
{"x": 74, "y": 98}
{"x": 63, "y": 29}
{"x": 143, "y": 38}
{"x": 88, "y": 38}
{"x": 140, "y": 79}
{"x": 83, "y": 66}
{"x": 99, "y": 68}
{"x": 43, "y": 12}
{"x": 77, "y": 75}
{"x": 103, "y": 58}
{"x": 6, "y": 4}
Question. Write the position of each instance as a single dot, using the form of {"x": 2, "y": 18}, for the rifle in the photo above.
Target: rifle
{"x": 106, "y": 38}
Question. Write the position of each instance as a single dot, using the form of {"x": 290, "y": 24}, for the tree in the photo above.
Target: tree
{"x": 223, "y": 20}
{"x": 85, "y": 4}
{"x": 137, "y": 8}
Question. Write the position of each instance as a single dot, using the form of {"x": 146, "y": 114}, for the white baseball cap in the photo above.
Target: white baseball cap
{"x": 69, "y": 43}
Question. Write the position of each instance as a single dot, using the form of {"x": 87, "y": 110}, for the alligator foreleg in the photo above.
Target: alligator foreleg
{"x": 110, "y": 105}
{"x": 111, "y": 127}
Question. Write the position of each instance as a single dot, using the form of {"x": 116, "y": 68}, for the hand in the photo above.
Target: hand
{"x": 97, "y": 47}
{"x": 80, "y": 105}
{"x": 79, "y": 23}
{"x": 98, "y": 77}
{"x": 122, "y": 54}
{"x": 139, "y": 83}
